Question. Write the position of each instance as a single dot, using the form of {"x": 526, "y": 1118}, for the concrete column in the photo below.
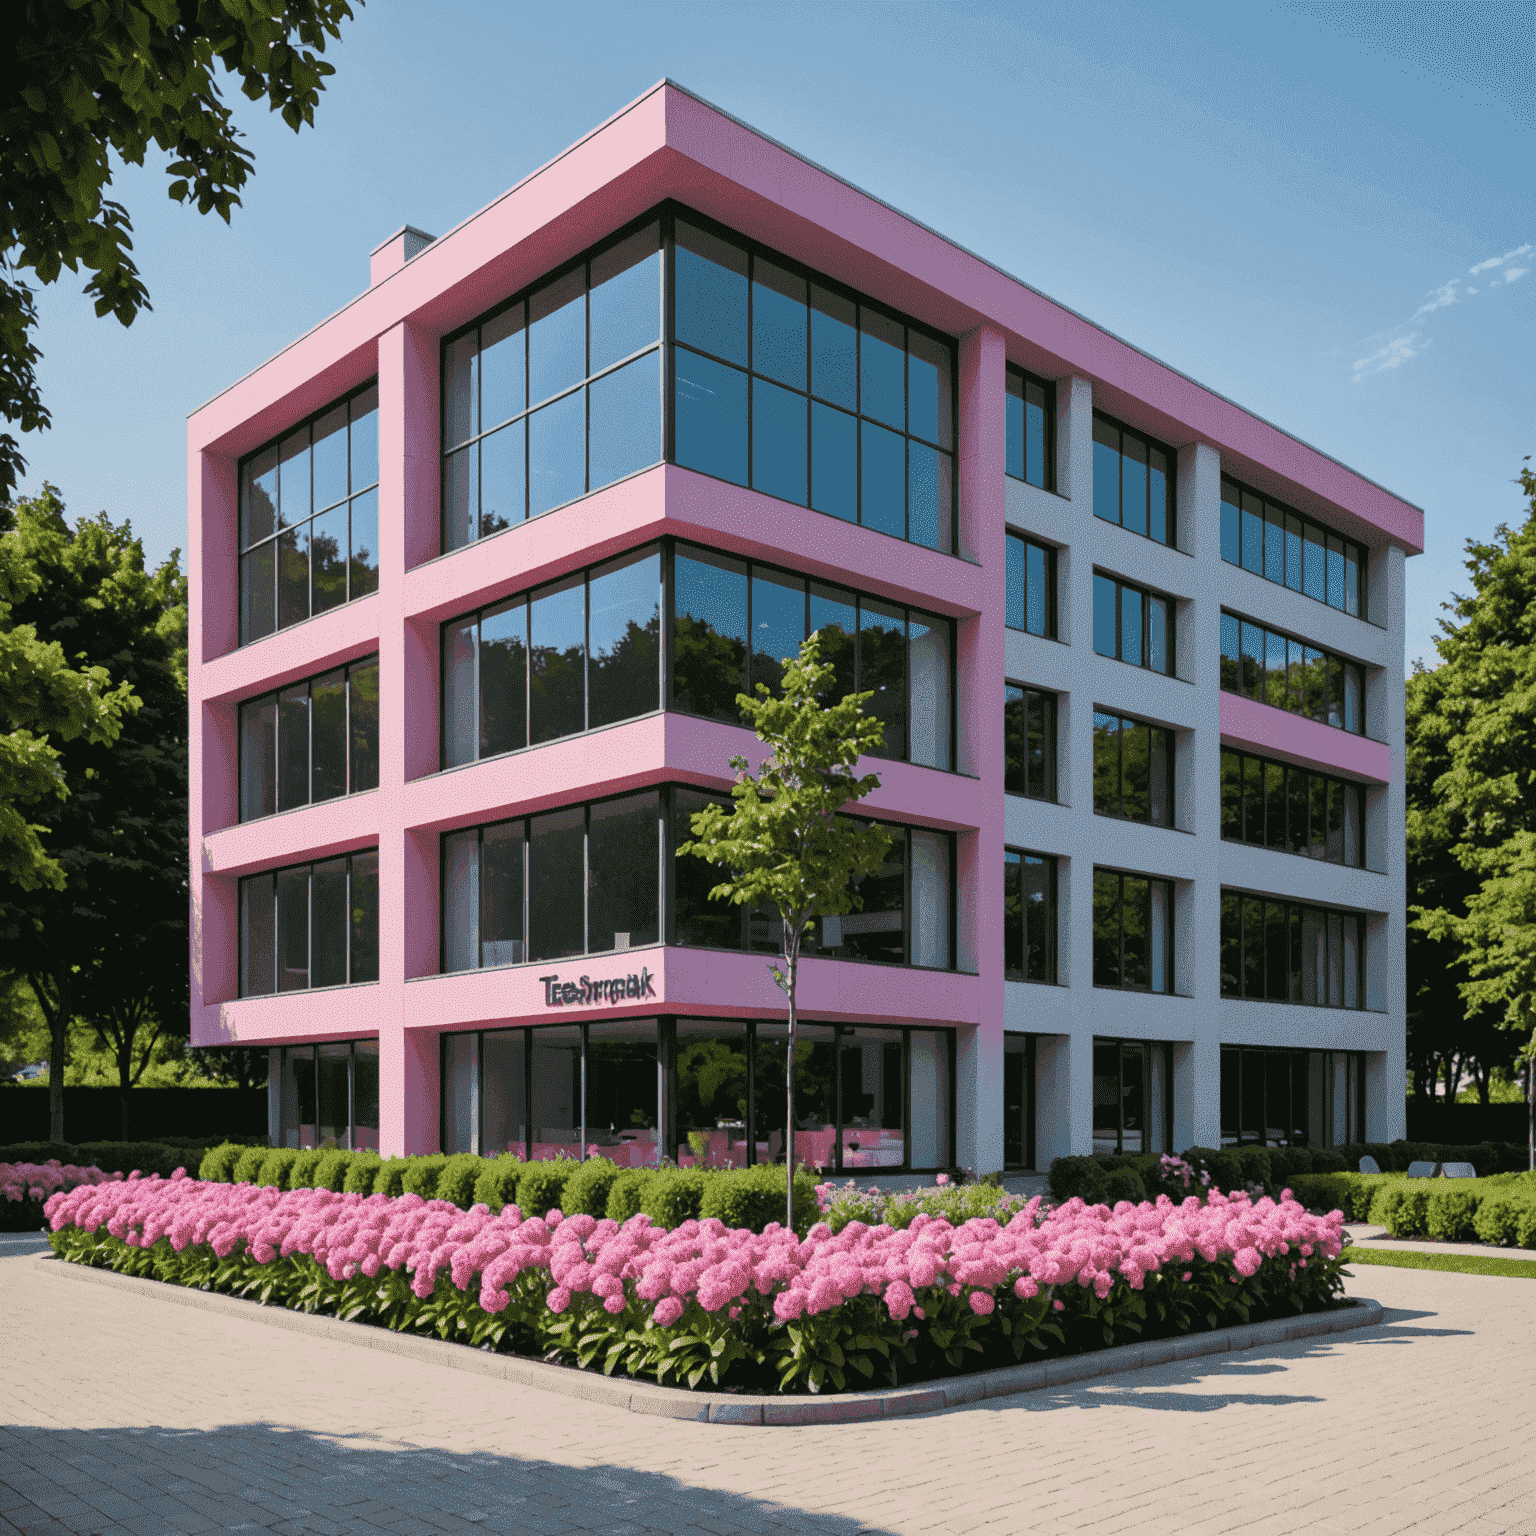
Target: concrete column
{"x": 1386, "y": 1105}
{"x": 408, "y": 901}
{"x": 1074, "y": 727}
{"x": 982, "y": 431}
{"x": 1197, "y": 1071}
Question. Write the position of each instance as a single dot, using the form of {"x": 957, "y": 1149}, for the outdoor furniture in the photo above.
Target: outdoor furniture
{"x": 1458, "y": 1171}
{"x": 1425, "y": 1170}
{"x": 1368, "y": 1164}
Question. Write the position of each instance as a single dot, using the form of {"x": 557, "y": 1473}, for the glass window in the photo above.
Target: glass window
{"x": 309, "y": 518}
{"x": 461, "y": 1093}
{"x": 309, "y": 926}
{"x": 1132, "y": 485}
{"x": 557, "y": 1123}
{"x": 1132, "y": 769}
{"x": 1285, "y": 952}
{"x": 1131, "y": 625}
{"x": 623, "y": 1087}
{"x": 1286, "y": 674}
{"x": 1031, "y": 591}
{"x": 1293, "y": 551}
{"x": 710, "y": 636}
{"x": 536, "y": 353}
{"x": 557, "y": 660}
{"x": 556, "y": 880}
{"x": 1029, "y": 742}
{"x": 1131, "y": 1085}
{"x": 1132, "y": 932}
{"x": 930, "y": 897}
{"x": 815, "y": 1092}
{"x": 1018, "y": 1101}
{"x": 501, "y": 895}
{"x": 1292, "y": 809}
{"x": 901, "y": 656}
{"x": 847, "y": 408}
{"x": 710, "y": 1087}
{"x": 499, "y": 714}
{"x": 623, "y": 848}
{"x": 878, "y": 929}
{"x": 365, "y": 1095}
{"x": 310, "y": 742}
{"x": 697, "y": 920}
{"x": 1029, "y": 916}
{"x": 1277, "y": 1097}
{"x": 624, "y": 635}
{"x": 503, "y": 1093}
{"x": 1031, "y": 443}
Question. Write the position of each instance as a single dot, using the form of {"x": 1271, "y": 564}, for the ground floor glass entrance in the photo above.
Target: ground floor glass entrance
{"x": 702, "y": 1092}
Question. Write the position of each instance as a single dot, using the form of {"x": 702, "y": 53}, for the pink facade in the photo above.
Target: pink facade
{"x": 670, "y": 145}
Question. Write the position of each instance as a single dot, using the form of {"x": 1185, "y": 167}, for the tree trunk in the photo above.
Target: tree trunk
{"x": 791, "y": 970}
{"x": 56, "y": 1013}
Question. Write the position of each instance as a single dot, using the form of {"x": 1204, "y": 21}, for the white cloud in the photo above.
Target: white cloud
{"x": 1396, "y": 346}
{"x": 1393, "y": 355}
{"x": 1498, "y": 261}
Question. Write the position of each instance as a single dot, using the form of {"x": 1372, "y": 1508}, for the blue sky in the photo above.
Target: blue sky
{"x": 1322, "y": 209}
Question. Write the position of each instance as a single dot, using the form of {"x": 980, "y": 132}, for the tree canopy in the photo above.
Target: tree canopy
{"x": 1472, "y": 793}
{"x": 84, "y": 81}
{"x": 108, "y": 942}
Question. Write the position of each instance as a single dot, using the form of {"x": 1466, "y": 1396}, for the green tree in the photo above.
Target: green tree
{"x": 84, "y": 81}
{"x": 1472, "y": 746}
{"x": 109, "y": 944}
{"x": 783, "y": 843}
{"x": 45, "y": 698}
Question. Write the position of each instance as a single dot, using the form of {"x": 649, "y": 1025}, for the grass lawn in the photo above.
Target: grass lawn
{"x": 1452, "y": 1263}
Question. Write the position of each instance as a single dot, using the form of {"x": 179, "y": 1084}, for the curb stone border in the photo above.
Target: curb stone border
{"x": 739, "y": 1408}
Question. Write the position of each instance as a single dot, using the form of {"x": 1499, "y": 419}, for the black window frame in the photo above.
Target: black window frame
{"x": 353, "y": 494}
{"x": 1171, "y": 474}
{"x": 1170, "y": 746}
{"x": 530, "y": 407}
{"x": 1016, "y": 741}
{"x": 1238, "y": 1060}
{"x": 672, "y": 833}
{"x": 1028, "y": 1129}
{"x": 1236, "y": 821}
{"x": 243, "y": 938}
{"x": 1015, "y": 858}
{"x": 1259, "y": 694}
{"x": 1101, "y": 871}
{"x": 674, "y": 546}
{"x": 346, "y": 668}
{"x": 1049, "y": 629}
{"x": 1234, "y": 537}
{"x": 1147, "y": 594}
{"x": 1047, "y": 388}
{"x": 286, "y": 1052}
{"x": 1234, "y": 948}
{"x": 666, "y": 1047}
{"x": 1119, "y": 1043}
{"x": 672, "y": 211}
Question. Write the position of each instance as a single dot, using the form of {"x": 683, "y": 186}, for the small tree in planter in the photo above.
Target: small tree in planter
{"x": 783, "y": 843}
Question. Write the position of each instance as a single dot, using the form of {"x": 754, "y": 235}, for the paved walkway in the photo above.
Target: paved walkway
{"x": 126, "y": 1416}
{"x": 1368, "y": 1236}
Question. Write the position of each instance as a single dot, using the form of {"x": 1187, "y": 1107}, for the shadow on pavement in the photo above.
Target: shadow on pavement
{"x": 262, "y": 1476}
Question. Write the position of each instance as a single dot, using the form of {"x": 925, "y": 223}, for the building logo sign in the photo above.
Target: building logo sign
{"x": 585, "y": 991}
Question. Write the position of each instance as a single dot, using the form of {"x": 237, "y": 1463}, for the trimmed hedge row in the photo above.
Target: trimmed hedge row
{"x": 163, "y": 1157}
{"x": 1500, "y": 1210}
{"x": 1142, "y": 1176}
{"x": 740, "y": 1197}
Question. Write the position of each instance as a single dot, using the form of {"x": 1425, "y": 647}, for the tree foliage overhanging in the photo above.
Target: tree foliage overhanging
{"x": 84, "y": 82}
{"x": 106, "y": 943}
{"x": 1471, "y": 730}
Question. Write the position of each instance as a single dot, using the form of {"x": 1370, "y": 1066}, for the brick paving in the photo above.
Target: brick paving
{"x": 122, "y": 1414}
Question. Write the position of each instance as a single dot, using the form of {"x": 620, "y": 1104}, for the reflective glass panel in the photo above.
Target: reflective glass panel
{"x": 624, "y": 633}
{"x": 622, "y": 852}
{"x": 626, "y": 298}
{"x": 503, "y": 680}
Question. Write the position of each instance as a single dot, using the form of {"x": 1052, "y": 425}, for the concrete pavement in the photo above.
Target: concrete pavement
{"x": 123, "y": 1414}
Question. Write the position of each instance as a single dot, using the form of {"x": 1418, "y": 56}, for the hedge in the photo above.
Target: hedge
{"x": 1500, "y": 1209}
{"x": 162, "y": 1157}
{"x": 745, "y": 1197}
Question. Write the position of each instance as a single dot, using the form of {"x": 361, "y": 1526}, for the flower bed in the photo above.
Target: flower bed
{"x": 24, "y": 1187}
{"x": 717, "y": 1304}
